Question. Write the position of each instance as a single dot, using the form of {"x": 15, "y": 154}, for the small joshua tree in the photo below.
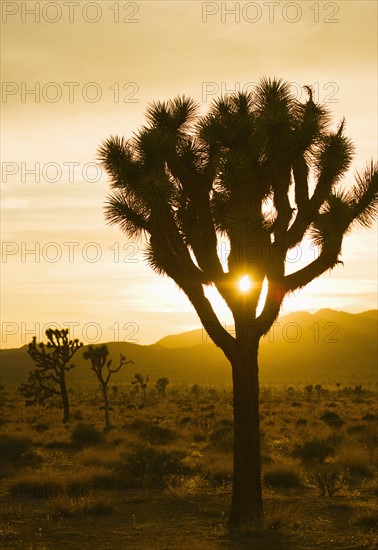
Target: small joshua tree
{"x": 52, "y": 362}
{"x": 309, "y": 390}
{"x": 290, "y": 391}
{"x": 141, "y": 382}
{"x": 161, "y": 386}
{"x": 318, "y": 388}
{"x": 98, "y": 357}
{"x": 358, "y": 390}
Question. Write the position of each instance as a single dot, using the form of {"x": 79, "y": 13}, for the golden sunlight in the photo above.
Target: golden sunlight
{"x": 245, "y": 283}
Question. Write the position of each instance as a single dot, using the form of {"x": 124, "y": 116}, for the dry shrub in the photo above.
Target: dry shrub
{"x": 35, "y": 486}
{"x": 282, "y": 516}
{"x": 218, "y": 467}
{"x": 45, "y": 485}
{"x": 366, "y": 519}
{"x": 328, "y": 480}
{"x": 13, "y": 447}
{"x": 148, "y": 467}
{"x": 370, "y": 417}
{"x": 314, "y": 450}
{"x": 332, "y": 419}
{"x": 92, "y": 456}
{"x": 281, "y": 475}
{"x": 181, "y": 486}
{"x": 355, "y": 460}
{"x": 79, "y": 484}
{"x": 222, "y": 437}
{"x": 158, "y": 435}
{"x": 86, "y": 435}
{"x": 89, "y": 505}
{"x": 371, "y": 486}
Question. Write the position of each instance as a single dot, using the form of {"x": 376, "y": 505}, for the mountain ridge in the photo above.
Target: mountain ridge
{"x": 301, "y": 347}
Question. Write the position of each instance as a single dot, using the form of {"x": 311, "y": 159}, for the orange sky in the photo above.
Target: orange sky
{"x": 75, "y": 74}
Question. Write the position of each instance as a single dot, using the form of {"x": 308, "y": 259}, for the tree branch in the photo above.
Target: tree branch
{"x": 327, "y": 259}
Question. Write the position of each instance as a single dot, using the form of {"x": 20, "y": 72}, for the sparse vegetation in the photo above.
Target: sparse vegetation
{"x": 366, "y": 519}
{"x": 328, "y": 480}
{"x": 90, "y": 505}
{"x": 12, "y": 447}
{"x": 332, "y": 419}
{"x": 178, "y": 450}
{"x": 85, "y": 435}
{"x": 314, "y": 450}
{"x": 282, "y": 476}
{"x": 149, "y": 467}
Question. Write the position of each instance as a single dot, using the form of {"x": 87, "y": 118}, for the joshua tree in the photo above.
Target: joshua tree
{"x": 290, "y": 391}
{"x": 358, "y": 390}
{"x": 98, "y": 357}
{"x": 52, "y": 362}
{"x": 196, "y": 391}
{"x": 141, "y": 382}
{"x": 161, "y": 386}
{"x": 261, "y": 171}
{"x": 309, "y": 389}
{"x": 318, "y": 388}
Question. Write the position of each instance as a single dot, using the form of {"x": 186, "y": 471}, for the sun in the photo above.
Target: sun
{"x": 244, "y": 283}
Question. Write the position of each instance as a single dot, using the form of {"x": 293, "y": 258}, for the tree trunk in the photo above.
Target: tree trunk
{"x": 106, "y": 405}
{"x": 65, "y": 402}
{"x": 246, "y": 506}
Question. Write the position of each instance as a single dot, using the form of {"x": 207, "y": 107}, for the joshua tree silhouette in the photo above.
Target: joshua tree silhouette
{"x": 52, "y": 362}
{"x": 261, "y": 170}
{"x": 98, "y": 357}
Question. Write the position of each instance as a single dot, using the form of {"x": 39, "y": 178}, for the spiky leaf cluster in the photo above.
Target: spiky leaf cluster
{"x": 260, "y": 168}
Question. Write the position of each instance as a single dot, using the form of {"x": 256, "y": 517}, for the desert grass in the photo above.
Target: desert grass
{"x": 217, "y": 467}
{"x": 105, "y": 457}
{"x": 283, "y": 475}
{"x": 178, "y": 452}
{"x": 91, "y": 504}
{"x": 365, "y": 518}
{"x": 355, "y": 460}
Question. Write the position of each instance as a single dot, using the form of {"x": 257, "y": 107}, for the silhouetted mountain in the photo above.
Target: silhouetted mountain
{"x": 329, "y": 345}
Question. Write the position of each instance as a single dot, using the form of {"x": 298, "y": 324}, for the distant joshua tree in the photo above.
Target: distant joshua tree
{"x": 290, "y": 391}
{"x": 308, "y": 390}
{"x": 196, "y": 390}
{"x": 141, "y": 382}
{"x": 161, "y": 386}
{"x": 52, "y": 362}
{"x": 358, "y": 391}
{"x": 98, "y": 357}
{"x": 318, "y": 388}
{"x": 262, "y": 171}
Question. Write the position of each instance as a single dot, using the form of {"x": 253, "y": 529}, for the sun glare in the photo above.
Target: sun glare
{"x": 245, "y": 283}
